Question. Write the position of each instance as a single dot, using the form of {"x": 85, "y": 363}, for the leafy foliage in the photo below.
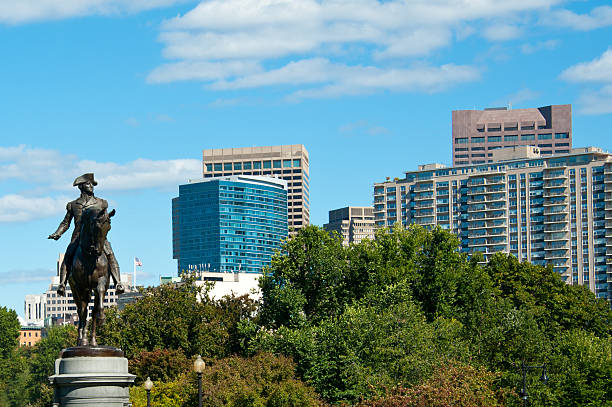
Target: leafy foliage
{"x": 9, "y": 331}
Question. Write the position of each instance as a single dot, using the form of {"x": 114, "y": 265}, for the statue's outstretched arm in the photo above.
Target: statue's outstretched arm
{"x": 63, "y": 226}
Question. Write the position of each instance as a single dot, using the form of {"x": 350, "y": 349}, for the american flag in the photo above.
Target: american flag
{"x": 137, "y": 262}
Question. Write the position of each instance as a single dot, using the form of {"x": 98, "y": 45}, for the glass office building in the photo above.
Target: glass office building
{"x": 229, "y": 224}
{"x": 553, "y": 211}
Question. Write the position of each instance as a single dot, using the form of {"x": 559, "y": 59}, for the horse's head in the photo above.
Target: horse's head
{"x": 96, "y": 223}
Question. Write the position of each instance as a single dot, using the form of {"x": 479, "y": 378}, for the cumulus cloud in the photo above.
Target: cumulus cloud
{"x": 363, "y": 127}
{"x": 24, "y": 11}
{"x": 237, "y": 44}
{"x": 49, "y": 176}
{"x": 539, "y": 46}
{"x": 598, "y": 17}
{"x": 25, "y": 276}
{"x": 597, "y": 72}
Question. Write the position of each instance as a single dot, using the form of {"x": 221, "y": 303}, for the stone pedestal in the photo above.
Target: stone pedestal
{"x": 91, "y": 376}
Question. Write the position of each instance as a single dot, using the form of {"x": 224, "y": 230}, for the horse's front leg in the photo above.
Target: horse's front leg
{"x": 98, "y": 311}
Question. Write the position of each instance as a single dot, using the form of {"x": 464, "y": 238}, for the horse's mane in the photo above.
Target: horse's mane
{"x": 87, "y": 216}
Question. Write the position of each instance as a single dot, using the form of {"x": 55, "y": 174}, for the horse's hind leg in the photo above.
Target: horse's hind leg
{"x": 81, "y": 305}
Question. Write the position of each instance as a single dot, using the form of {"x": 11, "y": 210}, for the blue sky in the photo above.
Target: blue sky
{"x": 134, "y": 90}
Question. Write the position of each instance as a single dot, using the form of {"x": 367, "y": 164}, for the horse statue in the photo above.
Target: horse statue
{"x": 90, "y": 270}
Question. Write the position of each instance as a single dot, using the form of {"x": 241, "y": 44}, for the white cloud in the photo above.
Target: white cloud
{"x": 235, "y": 44}
{"x": 19, "y": 208}
{"x": 597, "y": 101}
{"x": 597, "y": 72}
{"x": 539, "y": 46}
{"x": 25, "y": 276}
{"x": 501, "y": 32}
{"x": 23, "y": 11}
{"x": 363, "y": 127}
{"x": 597, "y": 18}
{"x": 49, "y": 176}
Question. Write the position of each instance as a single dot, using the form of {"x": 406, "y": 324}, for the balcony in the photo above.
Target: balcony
{"x": 554, "y": 175}
{"x": 555, "y": 219}
{"x": 556, "y": 228}
{"x": 608, "y": 179}
{"x": 555, "y": 192}
{"x": 555, "y": 184}
{"x": 551, "y": 202}
{"x": 608, "y": 169}
{"x": 424, "y": 204}
{"x": 556, "y": 210}
{"x": 553, "y": 246}
{"x": 608, "y": 188}
{"x": 553, "y": 237}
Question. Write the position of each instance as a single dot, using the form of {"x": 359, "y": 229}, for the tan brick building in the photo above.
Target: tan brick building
{"x": 352, "y": 223}
{"x": 477, "y": 133}
{"x": 288, "y": 162}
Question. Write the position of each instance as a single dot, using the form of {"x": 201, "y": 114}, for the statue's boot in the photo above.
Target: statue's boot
{"x": 61, "y": 288}
{"x": 114, "y": 271}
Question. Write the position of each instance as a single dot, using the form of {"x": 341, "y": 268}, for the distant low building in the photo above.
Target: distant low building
{"x": 352, "y": 223}
{"x": 56, "y": 310}
{"x": 29, "y": 335}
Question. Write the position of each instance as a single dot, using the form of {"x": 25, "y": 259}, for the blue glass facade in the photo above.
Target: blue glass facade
{"x": 227, "y": 224}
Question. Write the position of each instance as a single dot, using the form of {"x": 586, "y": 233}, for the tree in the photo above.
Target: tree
{"x": 177, "y": 317}
{"x": 454, "y": 384}
{"x": 9, "y": 331}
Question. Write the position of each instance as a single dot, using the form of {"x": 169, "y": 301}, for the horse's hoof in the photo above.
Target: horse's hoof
{"x": 94, "y": 342}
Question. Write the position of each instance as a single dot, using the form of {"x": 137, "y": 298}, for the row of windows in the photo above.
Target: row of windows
{"x": 248, "y": 165}
{"x": 510, "y": 137}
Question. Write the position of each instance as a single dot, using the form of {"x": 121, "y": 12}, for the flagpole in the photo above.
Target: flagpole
{"x": 134, "y": 278}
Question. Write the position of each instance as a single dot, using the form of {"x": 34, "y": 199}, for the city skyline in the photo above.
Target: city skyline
{"x": 134, "y": 92}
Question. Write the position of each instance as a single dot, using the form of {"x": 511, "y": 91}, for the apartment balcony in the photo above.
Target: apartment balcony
{"x": 608, "y": 215}
{"x": 609, "y": 206}
{"x": 555, "y": 219}
{"x": 423, "y": 197}
{"x": 608, "y": 170}
{"x": 556, "y": 228}
{"x": 555, "y": 192}
{"x": 552, "y": 202}
{"x": 556, "y": 210}
{"x": 551, "y": 175}
{"x": 555, "y": 184}
{"x": 424, "y": 204}
{"x": 608, "y": 188}
{"x": 488, "y": 225}
{"x": 608, "y": 179}
{"x": 552, "y": 246}
{"x": 553, "y": 238}
{"x": 426, "y": 220}
{"x": 608, "y": 240}
{"x": 560, "y": 259}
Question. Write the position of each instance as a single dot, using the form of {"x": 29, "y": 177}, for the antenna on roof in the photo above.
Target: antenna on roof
{"x": 509, "y": 105}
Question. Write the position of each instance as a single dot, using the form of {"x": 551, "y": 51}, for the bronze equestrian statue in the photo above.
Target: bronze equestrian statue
{"x": 89, "y": 258}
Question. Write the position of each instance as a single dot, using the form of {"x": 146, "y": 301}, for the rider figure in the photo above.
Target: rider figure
{"x": 74, "y": 210}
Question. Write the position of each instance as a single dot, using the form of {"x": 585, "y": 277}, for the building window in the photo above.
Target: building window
{"x": 246, "y": 165}
{"x": 494, "y": 139}
{"x": 513, "y": 137}
{"x": 227, "y": 167}
{"x": 237, "y": 166}
{"x": 494, "y": 127}
{"x": 461, "y": 140}
{"x": 545, "y": 145}
{"x": 546, "y": 136}
{"x": 286, "y": 163}
{"x": 218, "y": 167}
{"x": 267, "y": 164}
{"x": 527, "y": 136}
{"x": 256, "y": 165}
{"x": 478, "y": 139}
{"x": 277, "y": 163}
{"x": 209, "y": 167}
{"x": 297, "y": 163}
{"x": 461, "y": 149}
{"x": 527, "y": 127}
{"x": 561, "y": 135}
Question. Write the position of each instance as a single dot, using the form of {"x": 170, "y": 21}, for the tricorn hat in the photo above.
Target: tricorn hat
{"x": 84, "y": 178}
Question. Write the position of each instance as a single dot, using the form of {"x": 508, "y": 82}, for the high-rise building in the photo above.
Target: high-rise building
{"x": 477, "y": 133}
{"x": 34, "y": 309}
{"x": 288, "y": 162}
{"x": 229, "y": 223}
{"x": 547, "y": 210}
{"x": 352, "y": 223}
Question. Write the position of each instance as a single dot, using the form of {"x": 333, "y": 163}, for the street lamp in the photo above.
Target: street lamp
{"x": 198, "y": 367}
{"x": 525, "y": 369}
{"x": 148, "y": 385}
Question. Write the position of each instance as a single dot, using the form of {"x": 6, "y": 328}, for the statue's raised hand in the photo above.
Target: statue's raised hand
{"x": 54, "y": 236}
